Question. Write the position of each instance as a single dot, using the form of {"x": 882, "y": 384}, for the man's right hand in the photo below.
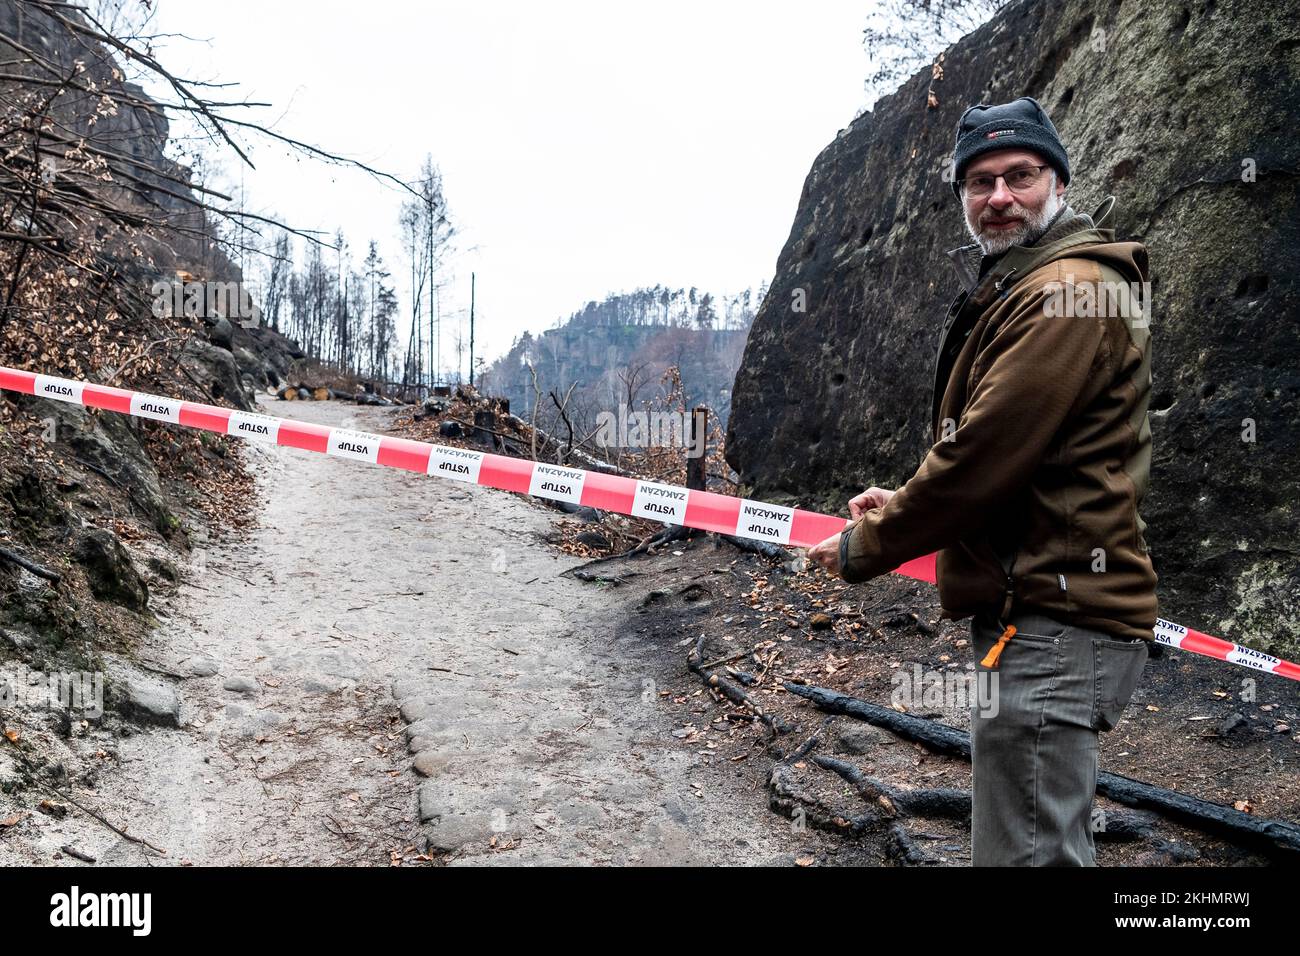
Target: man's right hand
{"x": 871, "y": 498}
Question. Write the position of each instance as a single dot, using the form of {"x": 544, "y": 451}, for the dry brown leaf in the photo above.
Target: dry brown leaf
{"x": 52, "y": 808}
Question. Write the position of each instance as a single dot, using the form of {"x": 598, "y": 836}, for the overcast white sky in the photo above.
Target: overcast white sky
{"x": 586, "y": 147}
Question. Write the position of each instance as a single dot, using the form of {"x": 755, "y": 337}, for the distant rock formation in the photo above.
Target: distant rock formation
{"x": 633, "y": 336}
{"x": 1186, "y": 113}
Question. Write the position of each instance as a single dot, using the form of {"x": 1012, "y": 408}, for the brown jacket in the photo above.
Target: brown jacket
{"x": 1042, "y": 445}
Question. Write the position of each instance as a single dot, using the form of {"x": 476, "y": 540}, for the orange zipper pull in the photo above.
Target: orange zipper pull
{"x": 991, "y": 658}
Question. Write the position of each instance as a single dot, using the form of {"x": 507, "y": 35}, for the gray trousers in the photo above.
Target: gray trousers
{"x": 1034, "y": 741}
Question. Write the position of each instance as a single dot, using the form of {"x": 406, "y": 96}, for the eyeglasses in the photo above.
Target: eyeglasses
{"x": 1019, "y": 180}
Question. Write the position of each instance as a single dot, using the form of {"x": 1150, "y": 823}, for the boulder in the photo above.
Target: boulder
{"x": 252, "y": 366}
{"x": 112, "y": 575}
{"x": 216, "y": 367}
{"x": 222, "y": 333}
{"x": 148, "y": 701}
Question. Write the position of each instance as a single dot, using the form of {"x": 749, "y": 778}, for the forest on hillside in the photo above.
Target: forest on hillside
{"x": 618, "y": 351}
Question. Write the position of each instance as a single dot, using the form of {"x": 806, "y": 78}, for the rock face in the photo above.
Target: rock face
{"x": 139, "y": 131}
{"x": 131, "y": 129}
{"x": 108, "y": 445}
{"x": 1186, "y": 114}
{"x": 217, "y": 367}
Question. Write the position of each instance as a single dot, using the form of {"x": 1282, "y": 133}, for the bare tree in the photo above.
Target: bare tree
{"x": 903, "y": 37}
{"x": 427, "y": 234}
{"x": 91, "y": 209}
{"x": 277, "y": 279}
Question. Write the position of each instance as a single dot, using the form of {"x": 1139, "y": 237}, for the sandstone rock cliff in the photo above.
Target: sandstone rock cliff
{"x": 1164, "y": 105}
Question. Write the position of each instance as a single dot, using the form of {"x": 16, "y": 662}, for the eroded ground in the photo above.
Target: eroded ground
{"x": 391, "y": 668}
{"x": 395, "y": 669}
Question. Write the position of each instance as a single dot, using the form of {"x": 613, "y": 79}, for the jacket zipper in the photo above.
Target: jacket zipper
{"x": 954, "y": 312}
{"x": 1010, "y": 598}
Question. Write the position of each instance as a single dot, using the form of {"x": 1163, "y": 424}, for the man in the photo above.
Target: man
{"x": 1030, "y": 492}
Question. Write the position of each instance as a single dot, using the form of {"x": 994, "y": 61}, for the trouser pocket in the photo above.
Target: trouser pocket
{"x": 1117, "y": 667}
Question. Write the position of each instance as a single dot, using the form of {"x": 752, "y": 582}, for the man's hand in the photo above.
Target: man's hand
{"x": 871, "y": 498}
{"x": 827, "y": 554}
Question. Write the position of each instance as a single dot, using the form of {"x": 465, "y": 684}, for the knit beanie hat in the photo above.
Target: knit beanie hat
{"x": 1020, "y": 124}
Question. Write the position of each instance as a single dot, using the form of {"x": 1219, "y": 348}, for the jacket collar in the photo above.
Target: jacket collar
{"x": 1067, "y": 229}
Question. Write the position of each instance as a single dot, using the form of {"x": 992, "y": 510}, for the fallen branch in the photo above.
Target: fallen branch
{"x": 99, "y": 817}
{"x": 732, "y": 691}
{"x": 663, "y": 536}
{"x": 41, "y": 572}
{"x": 937, "y": 737}
{"x": 76, "y": 854}
{"x": 589, "y": 462}
{"x": 725, "y": 660}
{"x": 591, "y": 577}
{"x": 766, "y": 548}
{"x": 901, "y": 847}
{"x": 788, "y": 800}
{"x": 928, "y": 802}
{"x": 807, "y": 746}
{"x": 139, "y": 354}
{"x": 1261, "y": 833}
{"x": 31, "y": 769}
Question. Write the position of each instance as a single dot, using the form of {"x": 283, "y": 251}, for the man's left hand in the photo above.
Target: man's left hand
{"x": 827, "y": 554}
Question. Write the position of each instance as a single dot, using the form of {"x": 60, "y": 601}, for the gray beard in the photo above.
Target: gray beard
{"x": 1026, "y": 234}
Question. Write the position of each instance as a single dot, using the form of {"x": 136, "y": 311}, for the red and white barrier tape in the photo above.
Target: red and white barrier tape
{"x": 704, "y": 510}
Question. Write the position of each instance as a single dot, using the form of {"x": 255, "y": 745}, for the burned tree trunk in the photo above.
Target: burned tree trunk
{"x": 1243, "y": 828}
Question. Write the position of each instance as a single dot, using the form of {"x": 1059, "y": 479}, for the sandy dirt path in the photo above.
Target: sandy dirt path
{"x": 391, "y": 664}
